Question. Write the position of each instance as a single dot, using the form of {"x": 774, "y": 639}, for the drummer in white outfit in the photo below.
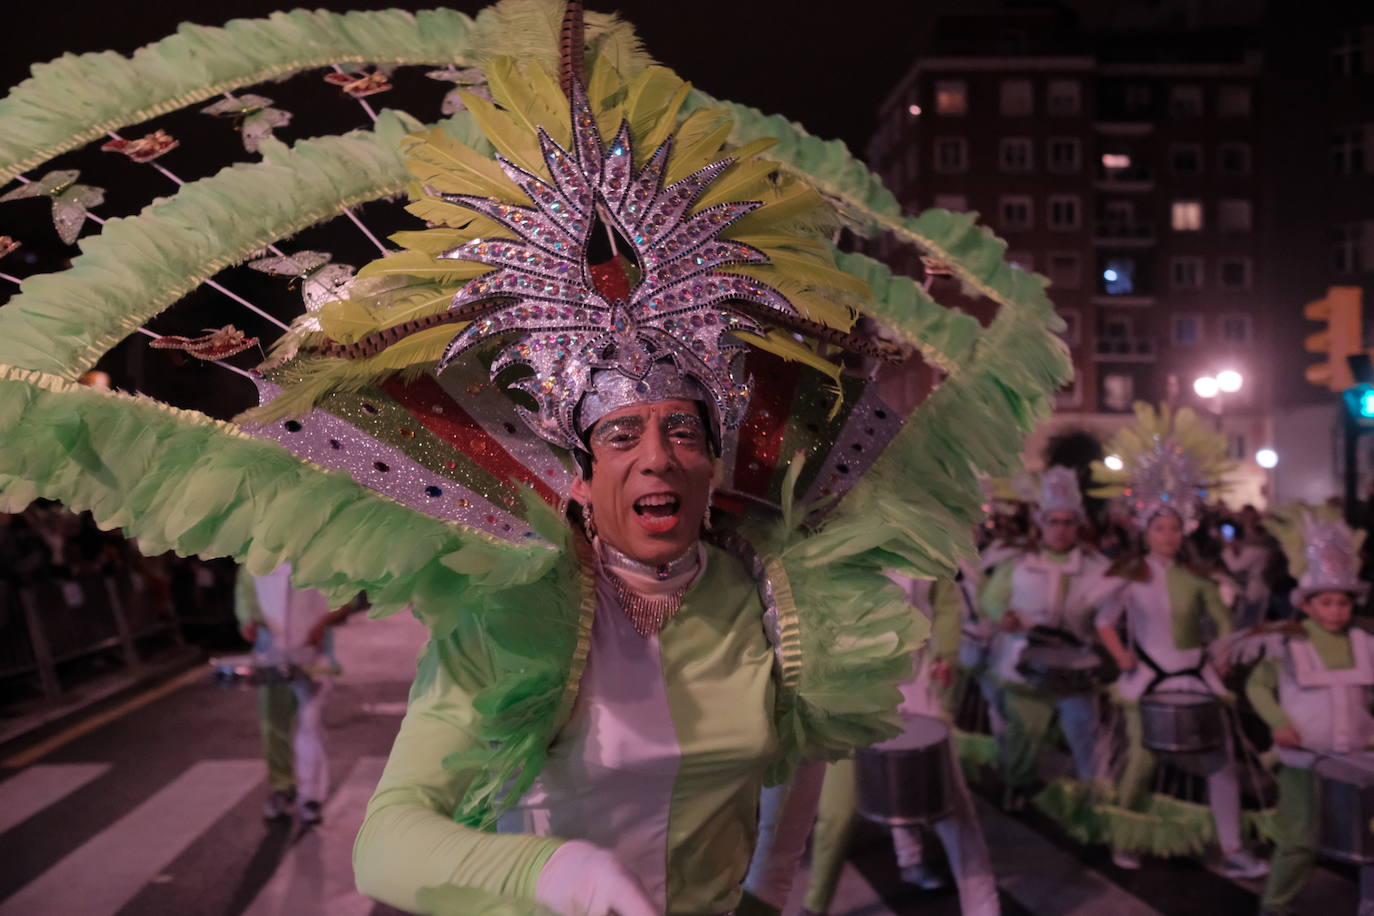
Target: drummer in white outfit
{"x": 1164, "y": 604}
{"x": 1059, "y": 586}
{"x": 1314, "y": 691}
{"x": 960, "y": 832}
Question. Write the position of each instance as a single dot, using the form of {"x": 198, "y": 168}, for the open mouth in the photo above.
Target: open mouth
{"x": 658, "y": 512}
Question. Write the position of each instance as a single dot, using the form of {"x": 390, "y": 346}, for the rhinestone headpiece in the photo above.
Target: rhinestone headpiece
{"x": 1332, "y": 564}
{"x": 1059, "y": 492}
{"x": 577, "y": 334}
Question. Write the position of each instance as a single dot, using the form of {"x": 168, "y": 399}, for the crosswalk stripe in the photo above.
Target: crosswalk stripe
{"x": 1045, "y": 879}
{"x": 30, "y": 791}
{"x": 316, "y": 876}
{"x": 102, "y": 875}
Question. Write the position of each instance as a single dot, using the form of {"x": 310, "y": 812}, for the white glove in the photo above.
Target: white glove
{"x": 582, "y": 879}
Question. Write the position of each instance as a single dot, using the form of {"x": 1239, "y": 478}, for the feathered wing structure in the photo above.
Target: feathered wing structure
{"x": 369, "y": 471}
{"x": 1170, "y": 460}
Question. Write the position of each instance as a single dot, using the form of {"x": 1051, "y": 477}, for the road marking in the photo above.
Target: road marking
{"x": 30, "y": 791}
{"x": 316, "y": 876}
{"x": 47, "y": 746}
{"x": 1044, "y": 878}
{"x": 103, "y": 874}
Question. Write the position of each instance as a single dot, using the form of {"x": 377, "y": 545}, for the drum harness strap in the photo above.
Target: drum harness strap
{"x": 1161, "y": 675}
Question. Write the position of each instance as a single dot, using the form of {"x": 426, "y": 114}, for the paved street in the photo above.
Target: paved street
{"x": 157, "y": 812}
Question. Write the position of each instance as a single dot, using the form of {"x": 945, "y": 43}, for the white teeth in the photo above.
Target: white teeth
{"x": 657, "y": 499}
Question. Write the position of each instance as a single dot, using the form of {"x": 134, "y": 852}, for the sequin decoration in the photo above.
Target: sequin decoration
{"x": 678, "y": 311}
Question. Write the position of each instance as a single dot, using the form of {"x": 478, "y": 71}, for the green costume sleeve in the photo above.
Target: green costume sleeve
{"x": 409, "y": 842}
{"x": 246, "y": 607}
{"x": 995, "y": 598}
{"x": 1217, "y": 609}
{"x": 947, "y": 609}
{"x": 1262, "y": 688}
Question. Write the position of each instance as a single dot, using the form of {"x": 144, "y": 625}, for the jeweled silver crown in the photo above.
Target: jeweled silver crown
{"x": 1332, "y": 563}
{"x": 676, "y": 315}
{"x": 1059, "y": 491}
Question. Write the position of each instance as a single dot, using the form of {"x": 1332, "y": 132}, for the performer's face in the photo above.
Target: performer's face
{"x": 1331, "y": 610}
{"x": 1164, "y": 535}
{"x": 1059, "y": 530}
{"x": 650, "y": 480}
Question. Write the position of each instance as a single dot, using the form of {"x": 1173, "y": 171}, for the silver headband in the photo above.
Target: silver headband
{"x": 611, "y": 390}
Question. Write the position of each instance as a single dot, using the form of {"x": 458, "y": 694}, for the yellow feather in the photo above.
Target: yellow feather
{"x": 419, "y": 264}
{"x": 655, "y": 97}
{"x": 530, "y": 96}
{"x": 517, "y": 145}
{"x": 741, "y": 181}
{"x": 818, "y": 272}
{"x": 434, "y": 210}
{"x": 437, "y": 241}
{"x": 607, "y": 93}
{"x": 698, "y": 139}
{"x": 443, "y": 163}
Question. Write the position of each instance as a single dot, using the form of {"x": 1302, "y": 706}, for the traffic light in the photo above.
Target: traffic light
{"x": 1342, "y": 310}
{"x": 1359, "y": 403}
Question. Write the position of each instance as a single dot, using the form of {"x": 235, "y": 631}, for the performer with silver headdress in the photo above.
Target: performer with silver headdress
{"x": 1047, "y": 597}
{"x": 1170, "y": 462}
{"x": 602, "y": 424}
{"x": 1312, "y": 685}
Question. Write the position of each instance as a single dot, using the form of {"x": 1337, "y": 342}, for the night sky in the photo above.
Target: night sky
{"x": 827, "y": 70}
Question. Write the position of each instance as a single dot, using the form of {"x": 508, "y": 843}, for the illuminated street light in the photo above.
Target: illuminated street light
{"x": 1206, "y": 387}
{"x": 1113, "y": 462}
{"x": 1229, "y": 381}
{"x": 913, "y": 110}
{"x": 1109, "y": 275}
{"x": 1267, "y": 458}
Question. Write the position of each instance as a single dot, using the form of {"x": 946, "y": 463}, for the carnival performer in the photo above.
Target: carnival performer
{"x": 1057, "y": 586}
{"x": 292, "y": 632}
{"x": 1312, "y": 687}
{"x": 960, "y": 832}
{"x": 1165, "y": 609}
{"x": 514, "y": 421}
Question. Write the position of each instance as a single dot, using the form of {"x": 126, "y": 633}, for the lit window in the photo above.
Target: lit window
{"x": 951, "y": 154}
{"x": 1187, "y": 330}
{"x": 1234, "y": 216}
{"x": 1233, "y": 102}
{"x": 1065, "y": 212}
{"x": 1118, "y": 276}
{"x": 1116, "y": 161}
{"x": 913, "y": 109}
{"x": 1016, "y": 97}
{"x": 1185, "y": 101}
{"x": 1118, "y": 392}
{"x": 1235, "y": 274}
{"x": 1065, "y": 269}
{"x": 956, "y": 202}
{"x": 1234, "y": 158}
{"x": 1064, "y": 97}
{"x": 1066, "y": 154}
{"x": 1015, "y": 154}
{"x": 1185, "y": 158}
{"x": 1186, "y": 216}
{"x": 951, "y": 97}
{"x": 1234, "y": 328}
{"x": 1186, "y": 273}
{"x": 1016, "y": 212}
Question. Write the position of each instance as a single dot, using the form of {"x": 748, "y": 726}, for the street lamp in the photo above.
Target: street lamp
{"x": 1206, "y": 387}
{"x": 1267, "y": 458}
{"x": 1214, "y": 388}
{"x": 1113, "y": 462}
{"x": 1229, "y": 381}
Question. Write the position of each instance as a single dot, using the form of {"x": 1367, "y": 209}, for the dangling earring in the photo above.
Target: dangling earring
{"x": 588, "y": 525}
{"x": 706, "y": 516}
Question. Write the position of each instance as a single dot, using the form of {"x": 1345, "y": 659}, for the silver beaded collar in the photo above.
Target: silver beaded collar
{"x": 618, "y": 560}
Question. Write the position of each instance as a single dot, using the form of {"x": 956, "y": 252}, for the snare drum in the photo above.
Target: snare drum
{"x": 1345, "y": 793}
{"x": 248, "y": 671}
{"x": 908, "y": 779}
{"x": 1062, "y": 670}
{"x": 1180, "y": 722}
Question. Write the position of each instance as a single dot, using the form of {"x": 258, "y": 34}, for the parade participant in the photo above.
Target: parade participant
{"x": 960, "y": 832}
{"x": 1058, "y": 585}
{"x": 1312, "y": 688}
{"x": 618, "y": 303}
{"x": 1169, "y": 462}
{"x": 291, "y": 631}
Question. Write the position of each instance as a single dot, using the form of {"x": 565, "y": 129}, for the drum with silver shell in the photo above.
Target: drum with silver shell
{"x": 248, "y": 671}
{"x": 1345, "y": 790}
{"x": 1181, "y": 722}
{"x": 1062, "y": 670}
{"x": 907, "y": 780}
